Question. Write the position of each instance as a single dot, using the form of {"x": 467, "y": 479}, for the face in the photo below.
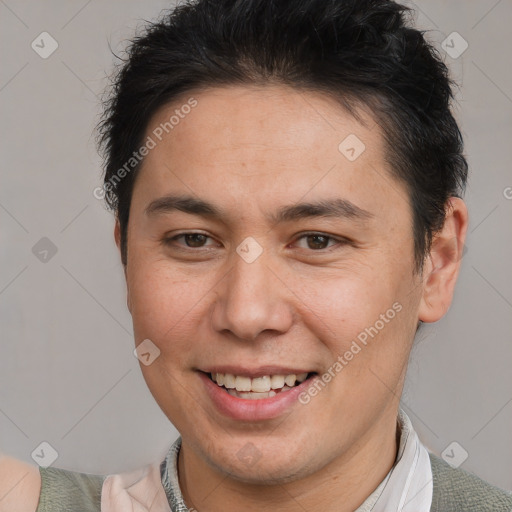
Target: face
{"x": 260, "y": 249}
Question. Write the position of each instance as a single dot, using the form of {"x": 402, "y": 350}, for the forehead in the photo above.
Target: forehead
{"x": 275, "y": 117}
{"x": 267, "y": 144}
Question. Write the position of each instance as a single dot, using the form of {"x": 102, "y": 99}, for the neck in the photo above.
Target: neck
{"x": 342, "y": 485}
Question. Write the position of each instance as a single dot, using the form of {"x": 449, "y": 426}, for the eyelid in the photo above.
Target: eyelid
{"x": 168, "y": 239}
{"x": 338, "y": 240}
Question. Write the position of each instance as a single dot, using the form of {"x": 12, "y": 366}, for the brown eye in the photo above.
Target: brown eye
{"x": 317, "y": 241}
{"x": 195, "y": 239}
{"x": 190, "y": 240}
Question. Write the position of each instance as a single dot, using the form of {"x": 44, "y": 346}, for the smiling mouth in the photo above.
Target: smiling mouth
{"x": 266, "y": 386}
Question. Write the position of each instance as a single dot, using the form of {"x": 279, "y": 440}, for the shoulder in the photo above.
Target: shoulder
{"x": 64, "y": 490}
{"x": 455, "y": 489}
{"x": 28, "y": 488}
{"x": 20, "y": 485}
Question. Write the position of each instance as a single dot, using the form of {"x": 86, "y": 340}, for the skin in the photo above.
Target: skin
{"x": 20, "y": 485}
{"x": 251, "y": 151}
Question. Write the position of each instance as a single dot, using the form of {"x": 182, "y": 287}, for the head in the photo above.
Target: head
{"x": 286, "y": 179}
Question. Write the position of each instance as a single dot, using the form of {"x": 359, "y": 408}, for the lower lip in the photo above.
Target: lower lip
{"x": 252, "y": 410}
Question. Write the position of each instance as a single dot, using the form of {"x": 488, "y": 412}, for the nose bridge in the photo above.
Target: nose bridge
{"x": 252, "y": 299}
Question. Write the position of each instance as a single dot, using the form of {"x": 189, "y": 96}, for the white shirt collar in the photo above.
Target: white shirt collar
{"x": 408, "y": 486}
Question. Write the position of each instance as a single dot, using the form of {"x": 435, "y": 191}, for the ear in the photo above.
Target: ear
{"x": 117, "y": 238}
{"x": 441, "y": 267}
{"x": 117, "y": 234}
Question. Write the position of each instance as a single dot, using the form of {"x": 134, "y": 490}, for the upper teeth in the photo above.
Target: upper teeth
{"x": 258, "y": 384}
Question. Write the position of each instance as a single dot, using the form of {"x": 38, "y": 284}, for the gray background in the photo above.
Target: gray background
{"x": 67, "y": 372}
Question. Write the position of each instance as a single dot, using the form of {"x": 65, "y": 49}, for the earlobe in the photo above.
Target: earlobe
{"x": 117, "y": 234}
{"x": 442, "y": 265}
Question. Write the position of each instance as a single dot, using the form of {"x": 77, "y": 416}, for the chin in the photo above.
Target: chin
{"x": 257, "y": 464}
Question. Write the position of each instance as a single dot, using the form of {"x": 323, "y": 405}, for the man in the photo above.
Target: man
{"x": 286, "y": 178}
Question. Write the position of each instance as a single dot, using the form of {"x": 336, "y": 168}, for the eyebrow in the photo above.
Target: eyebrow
{"x": 337, "y": 208}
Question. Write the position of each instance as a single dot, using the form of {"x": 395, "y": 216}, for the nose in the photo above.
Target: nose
{"x": 251, "y": 300}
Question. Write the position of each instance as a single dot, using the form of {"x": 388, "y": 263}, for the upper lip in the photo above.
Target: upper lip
{"x": 254, "y": 372}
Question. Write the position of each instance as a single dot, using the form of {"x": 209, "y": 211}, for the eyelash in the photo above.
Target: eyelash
{"x": 169, "y": 241}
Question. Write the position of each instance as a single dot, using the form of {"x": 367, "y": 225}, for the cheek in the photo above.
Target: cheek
{"x": 366, "y": 322}
{"x": 165, "y": 302}
{"x": 343, "y": 304}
